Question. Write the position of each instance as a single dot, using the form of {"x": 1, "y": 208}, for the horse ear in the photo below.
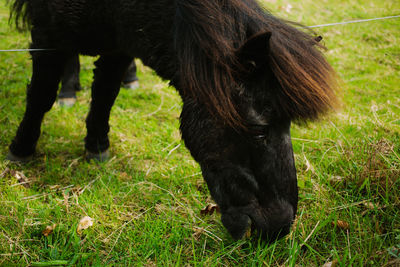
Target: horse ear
{"x": 254, "y": 52}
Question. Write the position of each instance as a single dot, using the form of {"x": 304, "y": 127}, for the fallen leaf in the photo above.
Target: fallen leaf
{"x": 309, "y": 166}
{"x": 5, "y": 172}
{"x": 393, "y": 263}
{"x": 85, "y": 223}
{"x": 331, "y": 264}
{"x": 77, "y": 190}
{"x": 378, "y": 228}
{"x": 210, "y": 209}
{"x": 341, "y": 224}
{"x": 369, "y": 205}
{"x": 65, "y": 202}
{"x": 150, "y": 263}
{"x": 22, "y": 179}
{"x": 197, "y": 232}
{"x": 336, "y": 179}
{"x": 55, "y": 187}
{"x": 287, "y": 8}
{"x": 49, "y": 230}
{"x": 394, "y": 251}
{"x": 124, "y": 176}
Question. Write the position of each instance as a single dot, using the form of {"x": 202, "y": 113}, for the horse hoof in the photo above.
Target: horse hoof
{"x": 14, "y": 158}
{"x": 101, "y": 157}
{"x": 131, "y": 85}
{"x": 67, "y": 102}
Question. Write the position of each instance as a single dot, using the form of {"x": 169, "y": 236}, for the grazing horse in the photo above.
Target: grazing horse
{"x": 243, "y": 75}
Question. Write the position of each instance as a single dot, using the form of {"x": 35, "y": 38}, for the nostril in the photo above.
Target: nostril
{"x": 273, "y": 222}
{"x": 236, "y": 223}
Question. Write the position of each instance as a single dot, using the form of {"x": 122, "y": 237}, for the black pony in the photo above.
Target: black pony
{"x": 243, "y": 76}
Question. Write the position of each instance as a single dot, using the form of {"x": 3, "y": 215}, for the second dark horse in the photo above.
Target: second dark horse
{"x": 70, "y": 83}
{"x": 243, "y": 76}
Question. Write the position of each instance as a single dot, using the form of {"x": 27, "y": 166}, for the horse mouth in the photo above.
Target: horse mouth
{"x": 268, "y": 223}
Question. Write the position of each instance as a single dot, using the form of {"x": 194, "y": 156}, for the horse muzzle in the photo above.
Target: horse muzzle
{"x": 271, "y": 222}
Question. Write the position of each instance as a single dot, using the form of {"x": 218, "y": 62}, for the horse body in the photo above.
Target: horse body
{"x": 243, "y": 76}
{"x": 134, "y": 28}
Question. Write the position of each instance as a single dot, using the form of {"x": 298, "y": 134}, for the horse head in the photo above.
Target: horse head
{"x": 250, "y": 171}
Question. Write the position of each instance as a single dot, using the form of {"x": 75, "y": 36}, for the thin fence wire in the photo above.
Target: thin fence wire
{"x": 28, "y": 49}
{"x": 313, "y": 26}
{"x": 352, "y": 21}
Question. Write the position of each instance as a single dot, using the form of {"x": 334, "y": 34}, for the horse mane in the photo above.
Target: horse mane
{"x": 206, "y": 38}
{"x": 19, "y": 14}
{"x": 209, "y": 33}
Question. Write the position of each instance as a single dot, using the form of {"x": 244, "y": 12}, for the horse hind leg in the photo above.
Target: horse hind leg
{"x": 70, "y": 82}
{"x": 41, "y": 95}
{"x": 105, "y": 88}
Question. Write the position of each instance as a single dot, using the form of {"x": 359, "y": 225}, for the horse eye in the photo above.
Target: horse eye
{"x": 261, "y": 140}
{"x": 252, "y": 63}
{"x": 260, "y": 137}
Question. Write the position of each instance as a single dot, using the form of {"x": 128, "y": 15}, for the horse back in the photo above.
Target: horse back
{"x": 141, "y": 28}
{"x": 84, "y": 26}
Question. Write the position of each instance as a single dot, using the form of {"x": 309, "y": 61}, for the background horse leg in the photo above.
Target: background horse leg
{"x": 41, "y": 94}
{"x": 70, "y": 82}
{"x": 107, "y": 79}
{"x": 130, "y": 80}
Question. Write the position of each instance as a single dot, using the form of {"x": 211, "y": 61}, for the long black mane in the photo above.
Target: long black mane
{"x": 210, "y": 32}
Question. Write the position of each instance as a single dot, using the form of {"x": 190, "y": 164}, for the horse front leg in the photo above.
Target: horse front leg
{"x": 105, "y": 88}
{"x": 70, "y": 82}
{"x": 48, "y": 67}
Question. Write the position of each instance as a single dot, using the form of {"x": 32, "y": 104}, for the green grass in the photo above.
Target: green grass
{"x": 146, "y": 200}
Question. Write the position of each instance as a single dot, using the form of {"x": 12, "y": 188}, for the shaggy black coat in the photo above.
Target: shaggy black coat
{"x": 243, "y": 76}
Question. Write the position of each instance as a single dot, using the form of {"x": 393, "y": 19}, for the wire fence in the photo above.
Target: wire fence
{"x": 312, "y": 26}
{"x": 352, "y": 21}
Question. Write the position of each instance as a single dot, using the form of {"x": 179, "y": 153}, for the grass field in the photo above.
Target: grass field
{"x": 146, "y": 200}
